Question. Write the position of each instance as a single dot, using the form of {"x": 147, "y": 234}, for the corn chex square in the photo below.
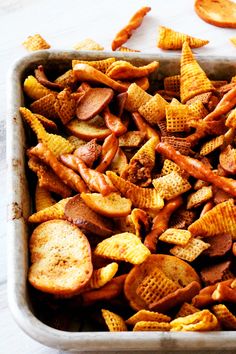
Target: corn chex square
{"x": 176, "y": 236}
{"x": 171, "y": 185}
{"x": 190, "y": 251}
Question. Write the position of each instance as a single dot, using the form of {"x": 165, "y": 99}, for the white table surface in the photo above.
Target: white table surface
{"x": 62, "y": 24}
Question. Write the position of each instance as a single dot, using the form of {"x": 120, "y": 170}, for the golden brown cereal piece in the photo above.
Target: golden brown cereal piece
{"x": 48, "y": 179}
{"x": 145, "y": 315}
{"x": 45, "y": 106}
{"x": 126, "y": 49}
{"x": 176, "y": 236}
{"x": 68, "y": 176}
{"x": 228, "y": 159}
{"x": 114, "y": 322}
{"x": 155, "y": 286}
{"x": 182, "y": 219}
{"x": 176, "y": 298}
{"x": 35, "y": 42}
{"x": 180, "y": 144}
{"x": 146, "y": 198}
{"x": 200, "y": 196}
{"x": 219, "y": 13}
{"x": 154, "y": 109}
{"x": 123, "y": 247}
{"x": 56, "y": 143}
{"x": 136, "y": 98}
{"x": 174, "y": 268}
{"x": 199, "y": 184}
{"x": 170, "y": 39}
{"x": 186, "y": 309}
{"x": 65, "y": 106}
{"x": 151, "y": 326}
{"x": 125, "y": 33}
{"x": 34, "y": 123}
{"x": 190, "y": 251}
{"x": 34, "y": 90}
{"x": 141, "y": 164}
{"x": 212, "y": 145}
{"x": 169, "y": 166}
{"x": 48, "y": 124}
{"x": 231, "y": 119}
{"x": 102, "y": 276}
{"x": 123, "y": 70}
{"x": 43, "y": 198}
{"x": 119, "y": 162}
{"x": 94, "y": 128}
{"x": 171, "y": 185}
{"x": 177, "y": 117}
{"x": 131, "y": 139}
{"x": 109, "y": 291}
{"x": 66, "y": 80}
{"x": 220, "y": 219}
{"x": 53, "y": 212}
{"x": 224, "y": 316}
{"x": 197, "y": 110}
{"x": 111, "y": 205}
{"x": 143, "y": 126}
{"x": 88, "y": 44}
{"x": 172, "y": 83}
{"x": 93, "y": 102}
{"x": 101, "y": 65}
{"x": 85, "y": 72}
{"x": 197, "y": 169}
{"x": 61, "y": 258}
{"x": 76, "y": 142}
{"x": 200, "y": 321}
{"x": 160, "y": 222}
{"x": 193, "y": 79}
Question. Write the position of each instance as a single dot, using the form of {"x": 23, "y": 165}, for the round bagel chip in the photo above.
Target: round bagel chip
{"x": 61, "y": 258}
{"x": 175, "y": 269}
{"x": 220, "y": 13}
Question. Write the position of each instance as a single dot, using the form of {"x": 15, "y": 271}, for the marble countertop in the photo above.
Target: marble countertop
{"x": 63, "y": 24}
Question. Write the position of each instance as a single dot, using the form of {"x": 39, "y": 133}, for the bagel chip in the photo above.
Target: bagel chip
{"x": 61, "y": 258}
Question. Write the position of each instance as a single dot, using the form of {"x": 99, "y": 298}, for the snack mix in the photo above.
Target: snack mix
{"x": 134, "y": 221}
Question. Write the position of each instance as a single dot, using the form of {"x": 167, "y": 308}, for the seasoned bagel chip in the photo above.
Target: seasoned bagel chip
{"x": 61, "y": 258}
{"x": 111, "y": 205}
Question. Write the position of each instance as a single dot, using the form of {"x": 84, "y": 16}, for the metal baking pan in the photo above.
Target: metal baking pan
{"x": 19, "y": 206}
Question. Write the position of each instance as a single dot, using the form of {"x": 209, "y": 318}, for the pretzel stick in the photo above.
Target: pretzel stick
{"x": 204, "y": 298}
{"x": 197, "y": 169}
{"x": 143, "y": 126}
{"x": 224, "y": 106}
{"x": 125, "y": 33}
{"x": 160, "y": 222}
{"x": 95, "y": 180}
{"x": 113, "y": 122}
{"x": 109, "y": 149}
{"x": 67, "y": 175}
